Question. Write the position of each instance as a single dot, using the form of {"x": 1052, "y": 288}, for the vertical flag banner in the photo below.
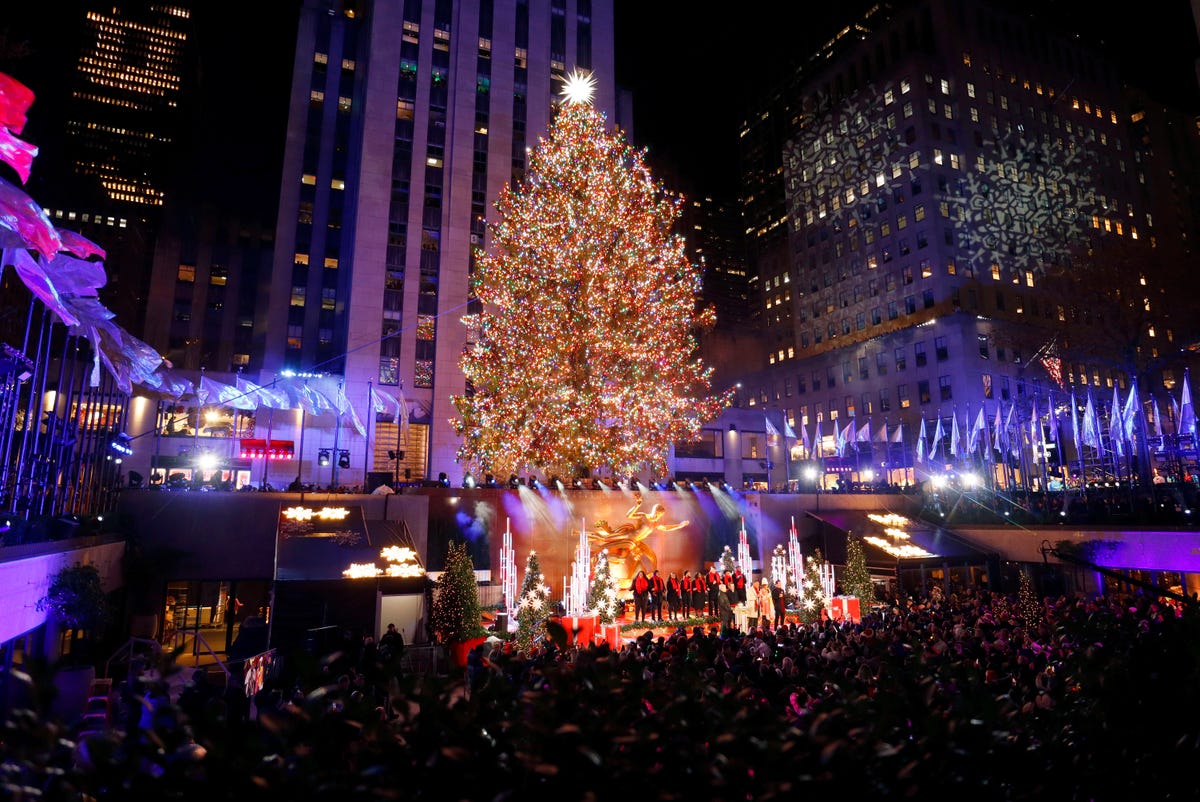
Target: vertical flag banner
{"x": 973, "y": 438}
{"x": 1187, "y": 411}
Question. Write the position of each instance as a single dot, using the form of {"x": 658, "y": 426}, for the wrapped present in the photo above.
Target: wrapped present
{"x": 581, "y": 628}
{"x": 610, "y": 634}
{"x": 844, "y": 609}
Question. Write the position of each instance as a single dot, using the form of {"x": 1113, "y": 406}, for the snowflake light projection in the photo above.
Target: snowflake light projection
{"x": 1026, "y": 207}
{"x": 840, "y": 166}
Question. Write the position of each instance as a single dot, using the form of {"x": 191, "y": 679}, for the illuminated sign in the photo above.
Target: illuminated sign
{"x": 402, "y": 562}
{"x": 323, "y": 514}
{"x": 263, "y": 449}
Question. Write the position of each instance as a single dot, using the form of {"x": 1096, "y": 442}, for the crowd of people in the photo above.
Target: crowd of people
{"x": 975, "y": 693}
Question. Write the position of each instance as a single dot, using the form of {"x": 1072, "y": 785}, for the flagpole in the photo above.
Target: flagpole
{"x": 369, "y": 428}
{"x": 1077, "y": 436}
{"x": 1036, "y": 421}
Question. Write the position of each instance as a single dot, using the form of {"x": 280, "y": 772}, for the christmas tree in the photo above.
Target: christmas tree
{"x": 857, "y": 580}
{"x": 533, "y": 605}
{"x": 1027, "y": 603}
{"x": 455, "y": 615}
{"x": 727, "y": 562}
{"x": 587, "y": 338}
{"x": 812, "y": 596}
{"x": 602, "y": 595}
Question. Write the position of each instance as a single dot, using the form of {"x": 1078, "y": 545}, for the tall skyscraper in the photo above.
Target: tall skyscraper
{"x": 948, "y": 169}
{"x": 406, "y": 119}
{"x": 124, "y": 113}
{"x": 109, "y": 162}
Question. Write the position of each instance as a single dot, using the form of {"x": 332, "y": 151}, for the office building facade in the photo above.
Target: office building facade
{"x": 948, "y": 167}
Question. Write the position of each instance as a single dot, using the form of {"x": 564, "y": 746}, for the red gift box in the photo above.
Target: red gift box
{"x": 610, "y": 634}
{"x": 845, "y": 608}
{"x": 582, "y": 629}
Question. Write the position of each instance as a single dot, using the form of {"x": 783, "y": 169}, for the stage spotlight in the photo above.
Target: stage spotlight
{"x": 577, "y": 483}
{"x": 513, "y": 481}
{"x": 343, "y": 459}
{"x": 489, "y": 480}
{"x": 533, "y": 482}
{"x": 120, "y": 444}
{"x": 597, "y": 484}
{"x": 323, "y": 457}
{"x": 468, "y": 481}
{"x": 443, "y": 479}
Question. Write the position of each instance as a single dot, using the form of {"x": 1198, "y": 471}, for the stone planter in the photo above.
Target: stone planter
{"x": 72, "y": 686}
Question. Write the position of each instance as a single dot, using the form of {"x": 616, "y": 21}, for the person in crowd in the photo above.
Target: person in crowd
{"x": 699, "y": 594}
{"x": 641, "y": 596}
{"x": 763, "y": 609}
{"x": 391, "y": 643}
{"x": 724, "y": 608}
{"x": 674, "y": 593}
{"x": 685, "y": 595}
{"x": 658, "y": 592}
{"x": 713, "y": 582}
{"x": 779, "y": 602}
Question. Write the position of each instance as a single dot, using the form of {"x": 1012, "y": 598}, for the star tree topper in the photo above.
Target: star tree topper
{"x": 579, "y": 87}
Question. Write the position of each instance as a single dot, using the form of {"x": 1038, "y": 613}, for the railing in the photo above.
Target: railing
{"x": 128, "y": 647}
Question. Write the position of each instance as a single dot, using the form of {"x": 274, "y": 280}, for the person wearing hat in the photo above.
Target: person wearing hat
{"x": 762, "y": 604}
{"x": 724, "y": 608}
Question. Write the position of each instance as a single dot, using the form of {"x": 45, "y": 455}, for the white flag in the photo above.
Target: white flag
{"x": 973, "y": 438}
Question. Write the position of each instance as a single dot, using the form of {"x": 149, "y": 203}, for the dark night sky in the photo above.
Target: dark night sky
{"x": 694, "y": 68}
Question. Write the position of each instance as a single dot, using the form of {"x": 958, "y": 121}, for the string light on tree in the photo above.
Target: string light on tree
{"x": 857, "y": 580}
{"x": 587, "y": 348}
{"x": 813, "y": 598}
{"x": 602, "y": 596}
{"x": 533, "y": 606}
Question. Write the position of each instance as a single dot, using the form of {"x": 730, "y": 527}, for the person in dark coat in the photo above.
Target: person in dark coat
{"x": 674, "y": 595}
{"x": 779, "y": 600}
{"x": 641, "y": 596}
{"x": 658, "y": 592}
{"x": 724, "y": 608}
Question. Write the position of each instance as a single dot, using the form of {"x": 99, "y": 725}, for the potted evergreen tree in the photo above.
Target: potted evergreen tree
{"x": 75, "y": 601}
{"x": 456, "y": 617}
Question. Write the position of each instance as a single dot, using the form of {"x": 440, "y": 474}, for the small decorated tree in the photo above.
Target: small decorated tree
{"x": 857, "y": 579}
{"x": 602, "y": 595}
{"x": 533, "y": 605}
{"x": 812, "y": 596}
{"x": 728, "y": 564}
{"x": 456, "y": 615}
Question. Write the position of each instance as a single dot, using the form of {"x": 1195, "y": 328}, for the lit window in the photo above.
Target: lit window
{"x": 187, "y": 273}
{"x": 331, "y": 263}
{"x": 337, "y": 183}
{"x": 300, "y": 259}
{"x": 308, "y": 178}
